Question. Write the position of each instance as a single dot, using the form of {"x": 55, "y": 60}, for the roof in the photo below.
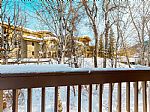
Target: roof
{"x": 79, "y": 43}
{"x": 32, "y": 38}
{"x": 51, "y": 38}
{"x": 28, "y": 30}
{"x": 85, "y": 37}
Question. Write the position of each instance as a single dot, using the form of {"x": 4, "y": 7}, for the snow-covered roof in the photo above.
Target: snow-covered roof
{"x": 85, "y": 37}
{"x": 32, "y": 38}
{"x": 51, "y": 38}
{"x": 45, "y": 68}
{"x": 78, "y": 42}
{"x": 28, "y": 59}
{"x": 28, "y": 29}
{"x": 39, "y": 39}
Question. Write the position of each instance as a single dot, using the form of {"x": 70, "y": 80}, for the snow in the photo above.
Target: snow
{"x": 131, "y": 59}
{"x": 44, "y": 68}
{"x": 33, "y": 59}
{"x": 51, "y": 38}
{"x": 80, "y": 43}
{"x": 32, "y": 37}
{"x": 33, "y": 68}
{"x": 89, "y": 63}
{"x": 44, "y": 38}
{"x": 28, "y": 60}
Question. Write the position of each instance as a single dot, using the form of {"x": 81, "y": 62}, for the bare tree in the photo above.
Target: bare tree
{"x": 92, "y": 13}
{"x": 111, "y": 14}
{"x": 139, "y": 17}
{"x": 11, "y": 29}
{"x": 148, "y": 51}
{"x": 61, "y": 17}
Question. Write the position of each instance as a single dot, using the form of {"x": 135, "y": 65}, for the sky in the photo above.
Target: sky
{"x": 28, "y": 7}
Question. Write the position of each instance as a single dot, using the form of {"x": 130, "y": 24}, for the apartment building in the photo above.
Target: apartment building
{"x": 24, "y": 43}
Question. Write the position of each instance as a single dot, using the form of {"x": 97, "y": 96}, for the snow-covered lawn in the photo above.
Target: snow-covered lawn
{"x": 89, "y": 62}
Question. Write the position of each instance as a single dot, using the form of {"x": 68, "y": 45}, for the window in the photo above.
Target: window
{"x": 32, "y": 52}
{"x": 32, "y": 43}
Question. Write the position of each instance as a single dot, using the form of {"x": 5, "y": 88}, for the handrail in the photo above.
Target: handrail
{"x": 77, "y": 77}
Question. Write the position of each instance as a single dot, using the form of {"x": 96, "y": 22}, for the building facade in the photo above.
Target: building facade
{"x": 17, "y": 42}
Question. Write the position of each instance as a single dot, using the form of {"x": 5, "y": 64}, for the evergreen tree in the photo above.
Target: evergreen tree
{"x": 111, "y": 47}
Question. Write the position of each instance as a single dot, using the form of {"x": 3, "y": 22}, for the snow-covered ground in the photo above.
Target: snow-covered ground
{"x": 88, "y": 64}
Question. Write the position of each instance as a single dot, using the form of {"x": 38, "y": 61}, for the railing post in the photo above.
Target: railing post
{"x": 43, "y": 100}
{"x": 90, "y": 98}
{"x": 144, "y": 96}
{"x": 29, "y": 100}
{"x": 56, "y": 99}
{"x": 100, "y": 97}
{"x": 1, "y": 100}
{"x": 68, "y": 98}
{"x": 128, "y": 96}
{"x": 136, "y": 97}
{"x": 15, "y": 101}
{"x": 79, "y": 98}
{"x": 119, "y": 97}
{"x": 110, "y": 98}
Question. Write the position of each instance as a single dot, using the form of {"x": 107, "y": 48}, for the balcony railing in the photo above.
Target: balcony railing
{"x": 17, "y": 81}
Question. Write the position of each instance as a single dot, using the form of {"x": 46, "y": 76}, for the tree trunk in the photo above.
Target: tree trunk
{"x": 149, "y": 51}
{"x": 148, "y": 47}
{"x": 106, "y": 45}
{"x": 106, "y": 5}
{"x": 96, "y": 45}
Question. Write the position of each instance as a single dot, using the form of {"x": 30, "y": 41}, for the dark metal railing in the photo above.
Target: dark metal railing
{"x": 56, "y": 79}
